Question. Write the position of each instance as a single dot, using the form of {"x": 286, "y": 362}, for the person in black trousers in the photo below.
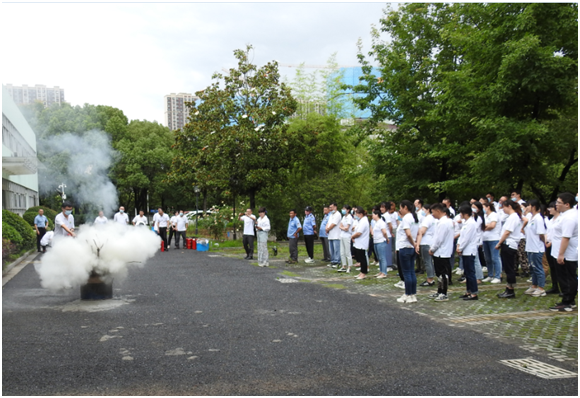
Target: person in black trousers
{"x": 555, "y": 289}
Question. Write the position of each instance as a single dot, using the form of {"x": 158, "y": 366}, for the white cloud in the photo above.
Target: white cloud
{"x": 131, "y": 55}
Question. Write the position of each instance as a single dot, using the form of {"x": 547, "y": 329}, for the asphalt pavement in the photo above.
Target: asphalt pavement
{"x": 197, "y": 323}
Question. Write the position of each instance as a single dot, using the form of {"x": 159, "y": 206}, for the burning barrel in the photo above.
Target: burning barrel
{"x": 96, "y": 289}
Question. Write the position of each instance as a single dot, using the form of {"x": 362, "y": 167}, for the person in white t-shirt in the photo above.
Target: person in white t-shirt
{"x": 345, "y": 227}
{"x": 181, "y": 224}
{"x": 248, "y": 238}
{"x": 263, "y": 227}
{"x": 441, "y": 249}
{"x": 424, "y": 241}
{"x": 172, "y": 228}
{"x": 381, "y": 240}
{"x": 121, "y": 217}
{"x": 333, "y": 232}
{"x": 391, "y": 227}
{"x": 160, "y": 222}
{"x": 535, "y": 230}
{"x": 140, "y": 220}
{"x": 467, "y": 248}
{"x": 406, "y": 235}
{"x": 552, "y": 263}
{"x": 565, "y": 250}
{"x": 490, "y": 239}
{"x": 101, "y": 219}
{"x": 421, "y": 213}
{"x": 516, "y": 196}
{"x": 360, "y": 239}
{"x": 511, "y": 234}
{"x": 64, "y": 222}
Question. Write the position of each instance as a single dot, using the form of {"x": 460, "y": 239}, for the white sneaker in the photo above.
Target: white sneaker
{"x": 400, "y": 284}
{"x": 169, "y": 246}
{"x": 309, "y": 260}
{"x": 539, "y": 293}
{"x": 403, "y": 298}
{"x": 484, "y": 269}
{"x": 389, "y": 269}
{"x": 412, "y": 299}
{"x": 495, "y": 280}
{"x": 458, "y": 271}
{"x": 488, "y": 279}
{"x": 530, "y": 290}
{"x": 529, "y": 280}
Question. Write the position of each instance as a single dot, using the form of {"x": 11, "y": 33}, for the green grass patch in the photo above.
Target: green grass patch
{"x": 288, "y": 273}
{"x": 334, "y": 285}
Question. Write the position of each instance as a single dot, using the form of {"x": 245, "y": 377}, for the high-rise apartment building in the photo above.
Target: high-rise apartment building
{"x": 176, "y": 112}
{"x": 26, "y": 95}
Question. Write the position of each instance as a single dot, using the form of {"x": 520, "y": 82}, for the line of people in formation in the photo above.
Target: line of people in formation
{"x": 177, "y": 224}
{"x": 485, "y": 235}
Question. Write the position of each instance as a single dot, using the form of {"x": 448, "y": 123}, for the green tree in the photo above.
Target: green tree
{"x": 145, "y": 159}
{"x": 236, "y": 139}
{"x": 481, "y": 95}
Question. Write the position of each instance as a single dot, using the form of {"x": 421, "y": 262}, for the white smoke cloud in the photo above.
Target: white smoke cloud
{"x": 82, "y": 163}
{"x": 70, "y": 261}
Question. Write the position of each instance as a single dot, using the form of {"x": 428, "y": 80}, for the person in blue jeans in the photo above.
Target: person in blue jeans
{"x": 406, "y": 235}
{"x": 535, "y": 247}
{"x": 381, "y": 242}
{"x": 491, "y": 237}
{"x": 467, "y": 249}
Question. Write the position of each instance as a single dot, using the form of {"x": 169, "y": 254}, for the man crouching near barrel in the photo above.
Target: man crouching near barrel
{"x": 64, "y": 223}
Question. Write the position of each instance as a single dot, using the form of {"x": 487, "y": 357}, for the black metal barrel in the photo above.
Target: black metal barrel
{"x": 96, "y": 289}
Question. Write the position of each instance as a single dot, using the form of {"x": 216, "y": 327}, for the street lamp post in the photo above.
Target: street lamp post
{"x": 62, "y": 187}
{"x": 196, "y": 190}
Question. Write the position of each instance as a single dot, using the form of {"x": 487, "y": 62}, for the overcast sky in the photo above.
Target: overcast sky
{"x": 130, "y": 55}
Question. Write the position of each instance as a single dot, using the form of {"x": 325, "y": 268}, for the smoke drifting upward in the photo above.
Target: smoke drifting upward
{"x": 82, "y": 163}
{"x": 70, "y": 261}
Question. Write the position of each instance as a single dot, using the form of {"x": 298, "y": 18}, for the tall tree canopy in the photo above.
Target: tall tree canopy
{"x": 236, "y": 138}
{"x": 484, "y": 97}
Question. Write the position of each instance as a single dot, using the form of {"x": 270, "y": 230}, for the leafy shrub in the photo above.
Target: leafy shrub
{"x": 22, "y": 227}
{"x": 8, "y": 248}
{"x": 9, "y": 233}
{"x": 33, "y": 211}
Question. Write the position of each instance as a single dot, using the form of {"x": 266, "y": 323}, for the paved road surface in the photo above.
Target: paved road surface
{"x": 189, "y": 323}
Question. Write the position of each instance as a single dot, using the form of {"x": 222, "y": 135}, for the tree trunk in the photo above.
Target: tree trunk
{"x": 253, "y": 199}
{"x": 204, "y": 201}
{"x": 571, "y": 161}
{"x": 443, "y": 177}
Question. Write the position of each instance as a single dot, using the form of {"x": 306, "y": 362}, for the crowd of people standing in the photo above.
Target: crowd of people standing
{"x": 484, "y": 235}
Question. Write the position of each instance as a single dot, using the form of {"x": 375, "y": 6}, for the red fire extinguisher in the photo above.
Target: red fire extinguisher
{"x": 162, "y": 246}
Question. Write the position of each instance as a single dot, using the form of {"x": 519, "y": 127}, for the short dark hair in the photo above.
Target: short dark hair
{"x": 262, "y": 210}
{"x": 347, "y": 207}
{"x": 420, "y": 201}
{"x": 491, "y": 194}
{"x": 517, "y": 191}
{"x": 378, "y": 213}
{"x": 438, "y": 206}
{"x": 333, "y": 204}
{"x": 66, "y": 204}
{"x": 568, "y": 198}
{"x": 293, "y": 210}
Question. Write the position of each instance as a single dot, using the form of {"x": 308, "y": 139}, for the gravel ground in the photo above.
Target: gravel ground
{"x": 195, "y": 323}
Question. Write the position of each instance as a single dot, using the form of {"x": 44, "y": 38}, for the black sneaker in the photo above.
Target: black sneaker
{"x": 553, "y": 291}
{"x": 426, "y": 283}
{"x": 561, "y": 307}
{"x": 470, "y": 297}
{"x": 462, "y": 280}
{"x": 507, "y": 294}
{"x": 464, "y": 296}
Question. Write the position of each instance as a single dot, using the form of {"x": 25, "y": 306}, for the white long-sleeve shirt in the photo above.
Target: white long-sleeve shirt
{"x": 442, "y": 244}
{"x": 469, "y": 239}
{"x": 264, "y": 223}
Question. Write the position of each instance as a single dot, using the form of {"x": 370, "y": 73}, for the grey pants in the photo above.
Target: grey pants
{"x": 427, "y": 261}
{"x": 262, "y": 247}
{"x": 293, "y": 245}
{"x": 325, "y": 248}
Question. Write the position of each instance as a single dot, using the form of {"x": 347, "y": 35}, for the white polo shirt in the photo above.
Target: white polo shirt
{"x": 410, "y": 224}
{"x": 468, "y": 239}
{"x": 334, "y": 233}
{"x": 248, "y": 225}
{"x": 161, "y": 221}
{"x": 534, "y": 229}
{"x": 566, "y": 226}
{"x": 60, "y": 220}
{"x": 514, "y": 225}
{"x": 362, "y": 241}
{"x": 494, "y": 234}
{"x": 347, "y": 220}
{"x": 121, "y": 218}
{"x": 138, "y": 220}
{"x": 181, "y": 222}
{"x": 430, "y": 223}
{"x": 378, "y": 236}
